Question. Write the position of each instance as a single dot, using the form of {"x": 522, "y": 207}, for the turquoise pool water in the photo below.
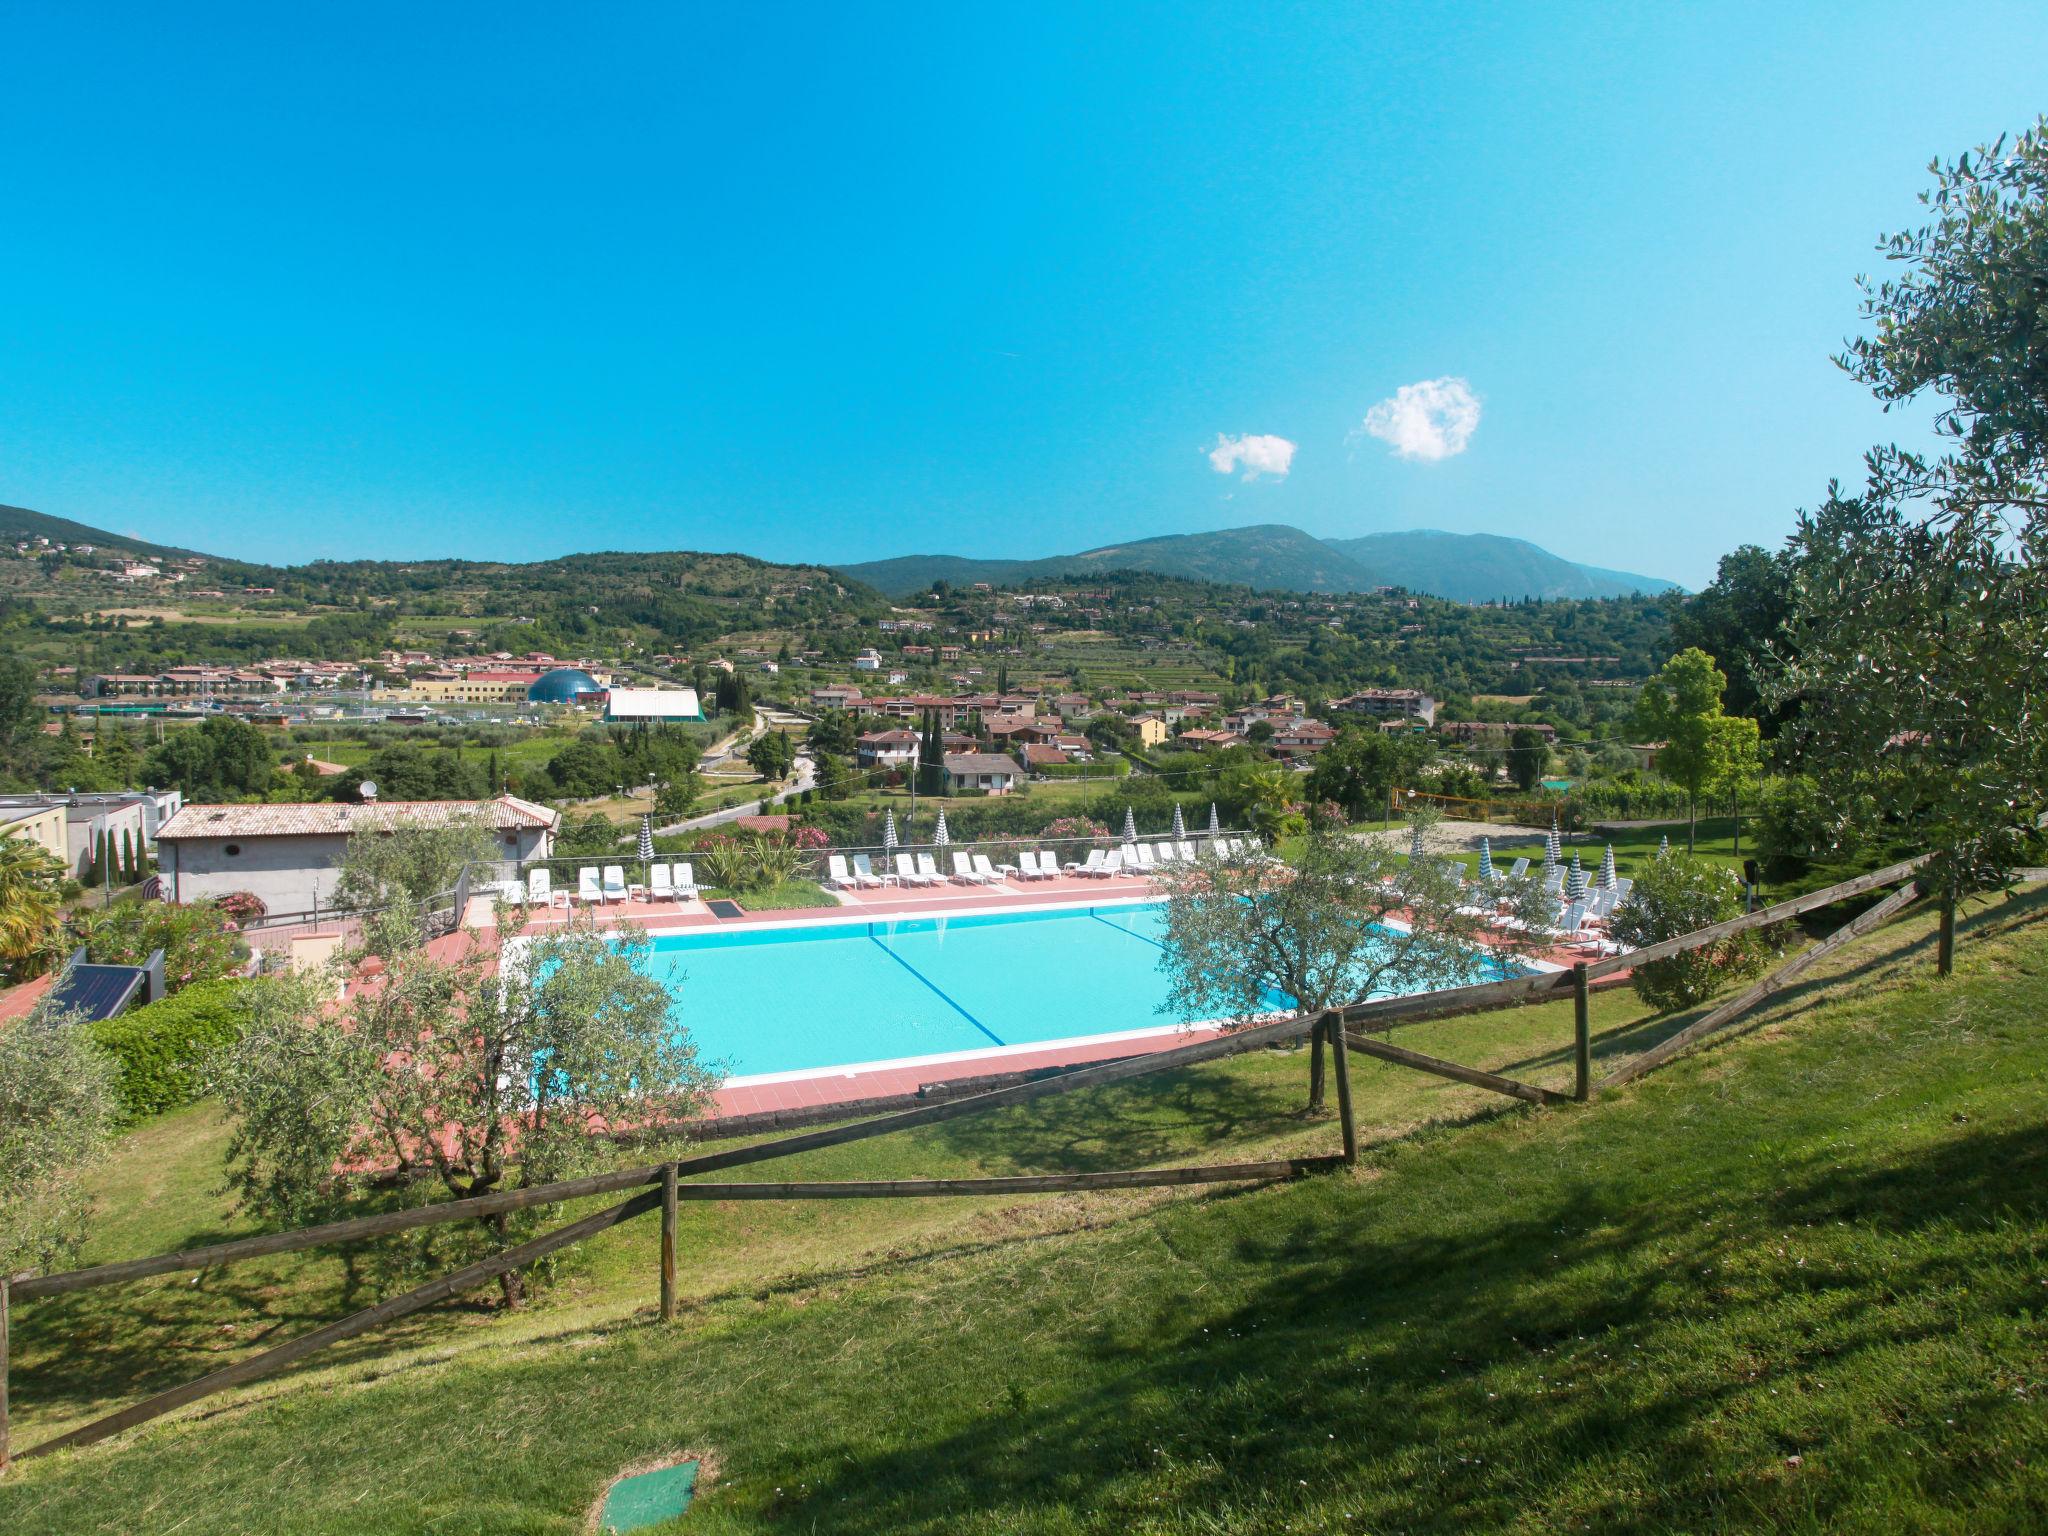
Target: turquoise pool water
{"x": 834, "y": 994}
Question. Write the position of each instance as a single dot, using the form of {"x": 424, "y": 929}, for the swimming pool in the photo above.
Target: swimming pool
{"x": 805, "y": 999}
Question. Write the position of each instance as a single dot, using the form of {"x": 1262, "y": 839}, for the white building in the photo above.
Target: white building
{"x": 651, "y": 706}
{"x": 289, "y": 856}
{"x": 868, "y": 661}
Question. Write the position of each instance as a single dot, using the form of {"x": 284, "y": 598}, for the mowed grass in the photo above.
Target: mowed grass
{"x": 1793, "y": 1283}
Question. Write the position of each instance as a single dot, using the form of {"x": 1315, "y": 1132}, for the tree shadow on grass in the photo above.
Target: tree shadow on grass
{"x": 1374, "y": 1361}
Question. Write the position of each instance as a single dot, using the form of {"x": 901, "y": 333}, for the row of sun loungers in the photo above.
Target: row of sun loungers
{"x": 911, "y": 870}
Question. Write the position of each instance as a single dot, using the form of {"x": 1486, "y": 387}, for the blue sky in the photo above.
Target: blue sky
{"x": 846, "y": 282}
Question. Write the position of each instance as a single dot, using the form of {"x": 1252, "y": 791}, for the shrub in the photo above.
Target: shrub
{"x": 198, "y": 941}
{"x": 160, "y": 1048}
{"x": 56, "y": 1111}
{"x": 1677, "y": 894}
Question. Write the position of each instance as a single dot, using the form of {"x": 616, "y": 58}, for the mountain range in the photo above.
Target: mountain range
{"x": 1463, "y": 567}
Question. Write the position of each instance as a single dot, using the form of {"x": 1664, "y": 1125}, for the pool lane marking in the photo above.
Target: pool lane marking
{"x": 1143, "y": 938}
{"x": 943, "y": 997}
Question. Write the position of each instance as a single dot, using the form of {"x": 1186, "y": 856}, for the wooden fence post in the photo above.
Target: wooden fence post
{"x": 3, "y": 1372}
{"x": 1582, "y": 1036}
{"x": 1333, "y": 1026}
{"x": 1945, "y": 949}
{"x": 668, "y": 1242}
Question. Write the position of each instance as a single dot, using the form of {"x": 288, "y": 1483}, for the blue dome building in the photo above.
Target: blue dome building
{"x": 562, "y": 686}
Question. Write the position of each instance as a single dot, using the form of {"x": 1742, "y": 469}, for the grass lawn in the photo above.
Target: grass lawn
{"x": 1793, "y": 1283}
{"x": 1714, "y": 841}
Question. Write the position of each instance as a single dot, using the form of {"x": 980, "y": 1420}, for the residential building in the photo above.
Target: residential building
{"x": 1411, "y": 703}
{"x": 1152, "y": 729}
{"x": 42, "y": 825}
{"x": 289, "y": 856}
{"x": 982, "y": 770}
{"x": 886, "y": 749}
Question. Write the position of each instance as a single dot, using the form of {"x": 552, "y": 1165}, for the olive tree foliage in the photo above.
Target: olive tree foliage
{"x": 1249, "y": 937}
{"x": 1674, "y": 895}
{"x": 58, "y": 1105}
{"x": 391, "y": 877}
{"x": 498, "y": 1065}
{"x": 1919, "y": 627}
{"x": 1681, "y": 709}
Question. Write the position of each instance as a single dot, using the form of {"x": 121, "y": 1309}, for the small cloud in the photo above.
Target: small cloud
{"x": 1431, "y": 420}
{"x": 1256, "y": 453}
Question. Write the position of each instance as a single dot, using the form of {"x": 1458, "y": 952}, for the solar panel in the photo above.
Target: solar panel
{"x": 96, "y": 991}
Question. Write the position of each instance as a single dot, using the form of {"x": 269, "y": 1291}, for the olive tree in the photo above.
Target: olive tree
{"x": 1919, "y": 605}
{"x": 391, "y": 875}
{"x": 58, "y": 1104}
{"x": 501, "y": 1064}
{"x": 1249, "y": 937}
{"x": 1679, "y": 894}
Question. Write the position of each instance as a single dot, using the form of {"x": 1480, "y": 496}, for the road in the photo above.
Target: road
{"x": 804, "y": 776}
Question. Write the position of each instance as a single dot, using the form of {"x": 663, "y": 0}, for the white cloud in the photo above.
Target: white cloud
{"x": 1431, "y": 420}
{"x": 1256, "y": 453}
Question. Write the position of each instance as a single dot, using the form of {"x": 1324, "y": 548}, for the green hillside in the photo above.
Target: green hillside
{"x": 20, "y": 523}
{"x": 1791, "y": 1284}
{"x": 1465, "y": 568}
{"x": 1476, "y": 567}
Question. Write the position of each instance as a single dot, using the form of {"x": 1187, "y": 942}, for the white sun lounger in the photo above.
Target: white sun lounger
{"x": 1187, "y": 853}
{"x": 1113, "y": 863}
{"x": 540, "y": 887}
{"x": 963, "y": 869}
{"x": 864, "y": 872}
{"x": 1092, "y": 865}
{"x": 661, "y": 884}
{"x": 929, "y": 868}
{"x": 1165, "y": 853}
{"x": 587, "y": 890}
{"x": 906, "y": 871}
{"x": 986, "y": 872}
{"x": 1047, "y": 866}
{"x": 686, "y": 881}
{"x": 1519, "y": 869}
{"x": 614, "y": 882}
{"x": 1139, "y": 854}
{"x": 836, "y": 871}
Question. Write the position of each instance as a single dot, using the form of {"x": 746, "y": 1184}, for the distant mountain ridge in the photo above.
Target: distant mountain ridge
{"x": 1463, "y": 567}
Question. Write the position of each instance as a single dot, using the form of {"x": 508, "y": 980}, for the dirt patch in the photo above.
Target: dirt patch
{"x": 1458, "y": 837}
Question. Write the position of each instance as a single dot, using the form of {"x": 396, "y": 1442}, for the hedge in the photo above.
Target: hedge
{"x": 160, "y": 1047}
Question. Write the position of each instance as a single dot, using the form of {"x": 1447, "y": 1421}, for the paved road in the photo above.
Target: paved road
{"x": 804, "y": 777}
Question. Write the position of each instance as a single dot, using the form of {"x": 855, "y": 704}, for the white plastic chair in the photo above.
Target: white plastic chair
{"x": 906, "y": 871}
{"x": 963, "y": 868}
{"x": 661, "y": 885}
{"x": 686, "y": 881}
{"x": 587, "y": 890}
{"x": 986, "y": 872}
{"x": 540, "y": 887}
{"x": 841, "y": 877}
{"x": 928, "y": 868}
{"x": 864, "y": 872}
{"x": 615, "y": 882}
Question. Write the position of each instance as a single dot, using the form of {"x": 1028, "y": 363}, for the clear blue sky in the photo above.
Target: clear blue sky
{"x": 843, "y": 282}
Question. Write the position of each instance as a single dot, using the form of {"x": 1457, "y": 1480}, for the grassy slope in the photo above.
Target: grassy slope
{"x": 1824, "y": 1242}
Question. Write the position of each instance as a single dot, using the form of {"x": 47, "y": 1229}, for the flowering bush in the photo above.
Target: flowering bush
{"x": 1075, "y": 827}
{"x": 239, "y": 907}
{"x": 198, "y": 941}
{"x": 812, "y": 837}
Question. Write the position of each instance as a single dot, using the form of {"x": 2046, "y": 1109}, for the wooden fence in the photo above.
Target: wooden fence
{"x": 660, "y": 1187}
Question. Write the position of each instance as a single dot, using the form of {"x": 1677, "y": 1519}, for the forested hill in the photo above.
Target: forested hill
{"x": 18, "y": 523}
{"x": 1465, "y": 568}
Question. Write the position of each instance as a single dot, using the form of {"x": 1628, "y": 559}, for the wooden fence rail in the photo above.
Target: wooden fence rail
{"x": 659, "y": 1185}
